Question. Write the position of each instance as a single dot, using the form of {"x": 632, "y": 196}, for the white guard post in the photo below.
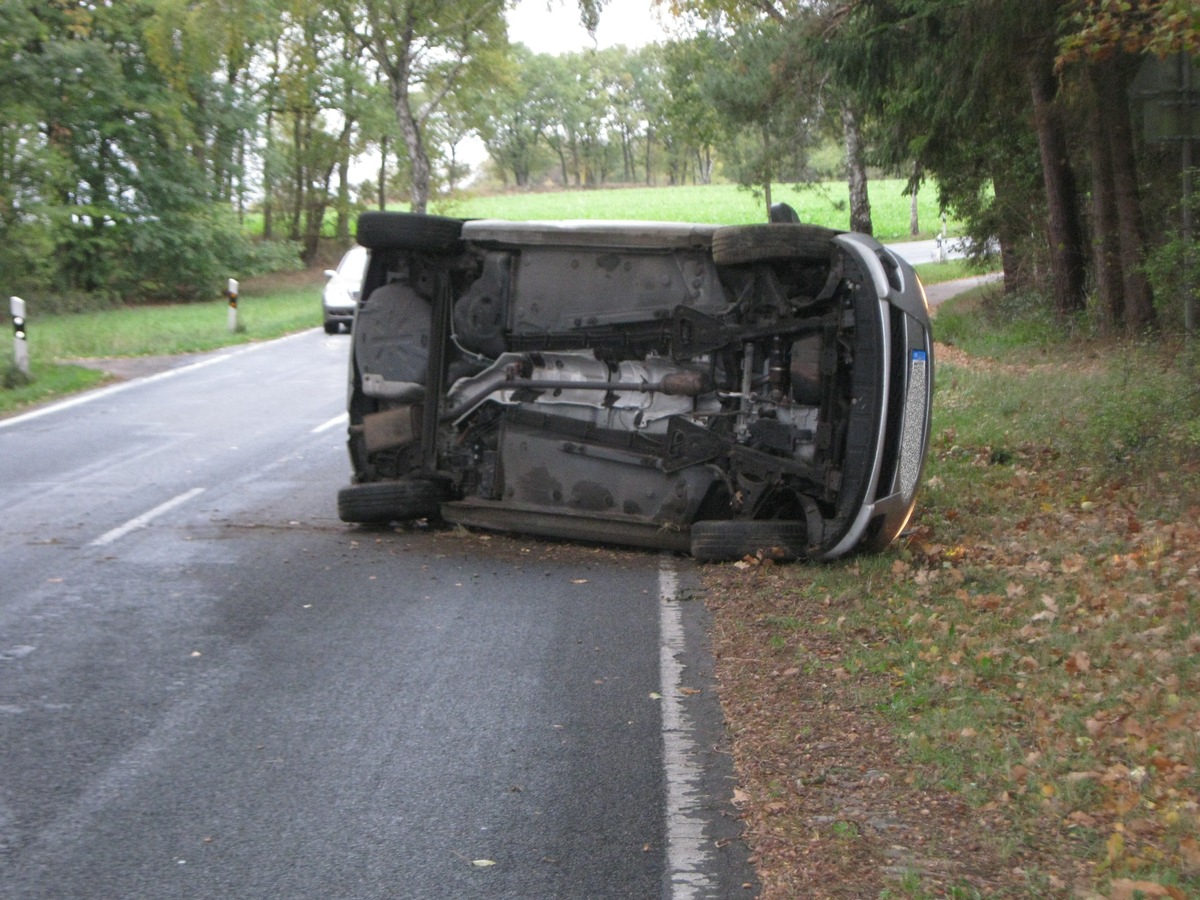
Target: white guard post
{"x": 20, "y": 340}
{"x": 232, "y": 293}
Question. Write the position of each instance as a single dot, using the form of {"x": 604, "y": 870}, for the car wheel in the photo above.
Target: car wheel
{"x": 739, "y": 244}
{"x": 331, "y": 328}
{"x": 717, "y": 540}
{"x": 408, "y": 231}
{"x": 380, "y": 502}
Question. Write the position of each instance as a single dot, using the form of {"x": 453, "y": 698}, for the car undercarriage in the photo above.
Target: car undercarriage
{"x": 718, "y": 390}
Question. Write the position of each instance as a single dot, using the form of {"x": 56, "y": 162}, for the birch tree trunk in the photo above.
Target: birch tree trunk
{"x": 856, "y": 173}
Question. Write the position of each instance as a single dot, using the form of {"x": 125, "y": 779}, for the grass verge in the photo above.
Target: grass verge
{"x": 45, "y": 382}
{"x": 267, "y": 308}
{"x": 1007, "y": 703}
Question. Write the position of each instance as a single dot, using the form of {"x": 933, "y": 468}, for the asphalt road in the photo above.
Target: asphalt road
{"x": 210, "y": 687}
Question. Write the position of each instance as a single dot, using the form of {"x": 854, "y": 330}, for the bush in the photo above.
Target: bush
{"x": 264, "y": 257}
{"x": 1173, "y": 269}
{"x": 183, "y": 255}
{"x": 990, "y": 321}
{"x": 26, "y": 258}
{"x": 190, "y": 256}
{"x": 58, "y": 302}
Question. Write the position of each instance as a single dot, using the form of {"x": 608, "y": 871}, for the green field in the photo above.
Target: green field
{"x": 826, "y": 203}
{"x": 821, "y": 204}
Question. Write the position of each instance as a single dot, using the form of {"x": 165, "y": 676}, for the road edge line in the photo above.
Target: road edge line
{"x": 687, "y": 853}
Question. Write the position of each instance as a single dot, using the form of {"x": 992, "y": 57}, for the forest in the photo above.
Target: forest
{"x": 149, "y": 147}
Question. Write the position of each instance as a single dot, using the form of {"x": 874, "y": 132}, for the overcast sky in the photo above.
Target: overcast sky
{"x": 557, "y": 30}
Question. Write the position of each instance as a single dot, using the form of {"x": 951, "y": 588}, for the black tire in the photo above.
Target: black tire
{"x": 407, "y": 231}
{"x": 331, "y": 328}
{"x": 719, "y": 540}
{"x": 739, "y": 244}
{"x": 380, "y": 502}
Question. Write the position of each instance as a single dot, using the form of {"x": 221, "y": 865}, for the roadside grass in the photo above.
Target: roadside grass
{"x": 951, "y": 270}
{"x": 46, "y": 381}
{"x": 268, "y": 307}
{"x": 1032, "y": 644}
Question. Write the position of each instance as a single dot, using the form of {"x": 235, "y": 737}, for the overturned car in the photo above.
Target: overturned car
{"x": 718, "y": 390}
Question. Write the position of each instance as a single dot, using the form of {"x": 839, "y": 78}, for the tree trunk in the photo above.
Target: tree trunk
{"x": 268, "y": 177}
{"x": 421, "y": 172}
{"x": 649, "y": 147}
{"x": 297, "y": 180}
{"x": 381, "y": 185}
{"x": 343, "y": 202}
{"x": 343, "y": 194}
{"x": 1012, "y": 228}
{"x": 241, "y": 190}
{"x": 1106, "y": 257}
{"x": 1063, "y": 228}
{"x": 914, "y": 224}
{"x": 856, "y": 173}
{"x": 1139, "y": 301}
{"x": 562, "y": 165}
{"x": 766, "y": 139}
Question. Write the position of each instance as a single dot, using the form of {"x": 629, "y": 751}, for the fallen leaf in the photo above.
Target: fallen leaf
{"x": 1114, "y": 847}
{"x": 483, "y": 863}
{"x": 1127, "y": 889}
{"x": 1189, "y": 849}
{"x": 1078, "y": 663}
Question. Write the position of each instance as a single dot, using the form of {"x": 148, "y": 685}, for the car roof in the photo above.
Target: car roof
{"x": 591, "y": 233}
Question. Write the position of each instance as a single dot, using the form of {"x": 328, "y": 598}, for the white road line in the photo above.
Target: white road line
{"x": 687, "y": 846}
{"x": 144, "y": 519}
{"x": 339, "y": 419}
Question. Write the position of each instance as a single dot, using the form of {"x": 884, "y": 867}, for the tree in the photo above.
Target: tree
{"x": 206, "y": 50}
{"x": 121, "y": 198}
{"x": 801, "y": 93}
{"x": 691, "y": 126}
{"x": 26, "y": 246}
{"x": 424, "y": 51}
{"x": 510, "y": 113}
{"x": 633, "y": 80}
{"x": 759, "y": 89}
{"x": 953, "y": 87}
{"x": 1104, "y": 46}
{"x": 317, "y": 78}
{"x": 565, "y": 100}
